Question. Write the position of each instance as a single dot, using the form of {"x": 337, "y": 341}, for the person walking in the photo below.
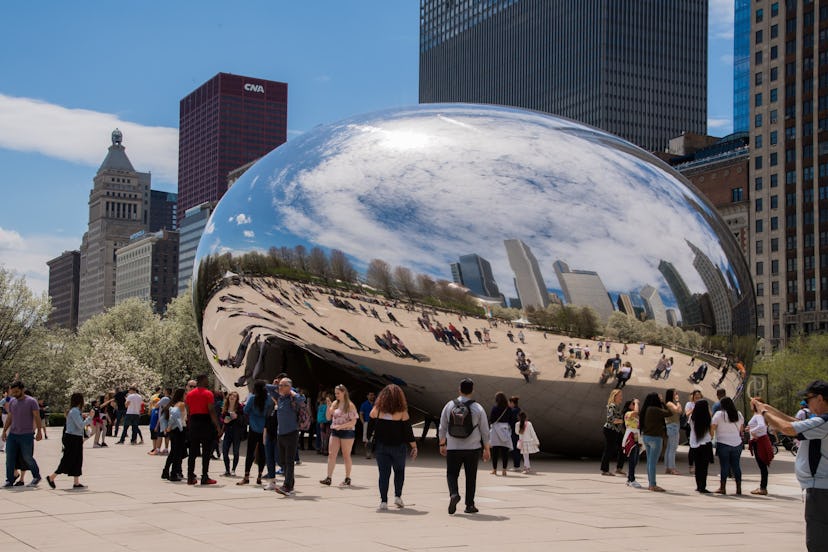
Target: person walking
{"x": 256, "y": 409}
{"x": 288, "y": 403}
{"x": 613, "y": 429}
{"x": 727, "y": 426}
{"x": 528, "y": 442}
{"x": 71, "y": 463}
{"x": 133, "y": 403}
{"x": 203, "y": 428}
{"x": 390, "y": 427}
{"x": 22, "y": 418}
{"x": 463, "y": 431}
{"x": 500, "y": 432}
{"x": 232, "y": 419}
{"x": 701, "y": 443}
{"x": 653, "y": 414}
{"x": 761, "y": 448}
{"x": 343, "y": 416}
{"x": 174, "y": 412}
{"x": 811, "y": 460}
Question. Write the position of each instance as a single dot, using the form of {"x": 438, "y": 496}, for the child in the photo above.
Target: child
{"x": 528, "y": 441}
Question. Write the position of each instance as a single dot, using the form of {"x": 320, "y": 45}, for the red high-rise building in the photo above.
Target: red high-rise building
{"x": 228, "y": 121}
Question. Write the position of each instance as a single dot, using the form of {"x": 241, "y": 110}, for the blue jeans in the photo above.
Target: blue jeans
{"x": 131, "y": 420}
{"x": 652, "y": 445}
{"x": 388, "y": 457}
{"x": 729, "y": 460}
{"x": 22, "y": 444}
{"x": 271, "y": 450}
{"x": 672, "y": 446}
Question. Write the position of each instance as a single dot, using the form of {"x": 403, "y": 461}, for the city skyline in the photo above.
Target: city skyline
{"x": 57, "y": 107}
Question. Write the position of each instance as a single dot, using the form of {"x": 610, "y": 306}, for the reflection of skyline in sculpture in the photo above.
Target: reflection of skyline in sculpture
{"x": 654, "y": 305}
{"x": 529, "y": 282}
{"x": 584, "y": 288}
{"x": 625, "y": 305}
{"x": 475, "y": 273}
{"x": 717, "y": 290}
{"x": 405, "y": 192}
{"x": 672, "y": 317}
{"x": 688, "y": 305}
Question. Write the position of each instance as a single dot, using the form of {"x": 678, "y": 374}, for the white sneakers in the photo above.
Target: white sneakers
{"x": 383, "y": 506}
{"x": 398, "y": 502}
{"x": 634, "y": 484}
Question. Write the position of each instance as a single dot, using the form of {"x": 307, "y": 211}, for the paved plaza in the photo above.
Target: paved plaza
{"x": 566, "y": 505}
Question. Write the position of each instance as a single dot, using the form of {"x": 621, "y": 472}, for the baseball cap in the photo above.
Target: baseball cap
{"x": 816, "y": 387}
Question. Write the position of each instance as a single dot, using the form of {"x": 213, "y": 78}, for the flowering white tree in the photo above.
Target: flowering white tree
{"x": 105, "y": 365}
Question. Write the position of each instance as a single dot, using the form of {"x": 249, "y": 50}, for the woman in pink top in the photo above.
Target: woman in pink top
{"x": 343, "y": 416}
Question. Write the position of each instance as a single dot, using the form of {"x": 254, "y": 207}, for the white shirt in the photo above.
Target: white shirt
{"x": 134, "y": 402}
{"x": 695, "y": 441}
{"x": 727, "y": 432}
{"x": 757, "y": 426}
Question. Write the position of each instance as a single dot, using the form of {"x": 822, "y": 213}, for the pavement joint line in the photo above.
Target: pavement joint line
{"x": 24, "y": 543}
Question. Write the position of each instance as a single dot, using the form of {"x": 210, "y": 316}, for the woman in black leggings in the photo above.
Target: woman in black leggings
{"x": 256, "y": 408}
{"x": 502, "y": 421}
{"x": 232, "y": 417}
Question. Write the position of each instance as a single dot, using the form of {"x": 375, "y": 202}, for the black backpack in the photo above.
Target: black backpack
{"x": 460, "y": 419}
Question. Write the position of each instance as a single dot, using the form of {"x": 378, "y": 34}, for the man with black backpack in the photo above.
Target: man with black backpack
{"x": 811, "y": 460}
{"x": 463, "y": 431}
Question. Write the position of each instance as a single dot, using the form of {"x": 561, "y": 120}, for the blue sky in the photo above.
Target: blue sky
{"x": 70, "y": 73}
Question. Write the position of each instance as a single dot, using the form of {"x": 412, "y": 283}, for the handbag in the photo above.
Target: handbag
{"x": 502, "y": 431}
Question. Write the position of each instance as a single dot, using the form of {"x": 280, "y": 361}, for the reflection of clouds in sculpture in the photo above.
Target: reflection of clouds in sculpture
{"x": 419, "y": 187}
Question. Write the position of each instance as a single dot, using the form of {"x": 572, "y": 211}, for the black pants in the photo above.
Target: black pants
{"x": 467, "y": 459}
{"x": 703, "y": 455}
{"x": 287, "y": 453}
{"x": 232, "y": 438}
{"x": 177, "y": 448}
{"x": 255, "y": 451}
{"x": 202, "y": 438}
{"x": 612, "y": 442}
{"x": 500, "y": 452}
{"x": 816, "y": 526}
{"x": 763, "y": 468}
{"x": 131, "y": 420}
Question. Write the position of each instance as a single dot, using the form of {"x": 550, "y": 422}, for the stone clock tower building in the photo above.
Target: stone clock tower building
{"x": 118, "y": 208}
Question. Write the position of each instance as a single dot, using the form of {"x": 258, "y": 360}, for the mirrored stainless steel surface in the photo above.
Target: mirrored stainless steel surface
{"x": 371, "y": 251}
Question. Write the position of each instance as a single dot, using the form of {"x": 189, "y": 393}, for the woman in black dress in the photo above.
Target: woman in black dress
{"x": 72, "y": 461}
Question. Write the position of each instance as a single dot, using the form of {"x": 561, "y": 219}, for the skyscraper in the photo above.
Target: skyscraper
{"x": 788, "y": 169}
{"x": 688, "y": 305}
{"x": 529, "y": 282}
{"x": 192, "y": 227}
{"x": 635, "y": 68}
{"x": 475, "y": 273}
{"x": 148, "y": 268}
{"x": 64, "y": 279}
{"x": 717, "y": 289}
{"x": 741, "y": 66}
{"x": 584, "y": 288}
{"x": 163, "y": 211}
{"x": 228, "y": 121}
{"x": 117, "y": 210}
{"x": 654, "y": 305}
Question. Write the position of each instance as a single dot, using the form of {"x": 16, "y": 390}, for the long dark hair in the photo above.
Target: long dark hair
{"x": 176, "y": 398}
{"x": 259, "y": 395}
{"x": 76, "y": 400}
{"x": 730, "y": 408}
{"x": 522, "y": 418}
{"x": 700, "y": 418}
{"x": 650, "y": 400}
{"x": 670, "y": 395}
{"x": 500, "y": 400}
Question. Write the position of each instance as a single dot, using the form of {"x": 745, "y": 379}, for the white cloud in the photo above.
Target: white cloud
{"x": 717, "y": 122}
{"x": 82, "y": 136}
{"x": 249, "y": 234}
{"x": 241, "y": 218}
{"x": 27, "y": 255}
{"x": 720, "y": 18}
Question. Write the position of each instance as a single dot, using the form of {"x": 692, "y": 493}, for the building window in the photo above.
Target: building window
{"x": 758, "y": 38}
{"x": 758, "y": 224}
{"x": 757, "y": 141}
{"x": 774, "y": 244}
{"x": 774, "y": 95}
{"x": 774, "y": 137}
{"x": 760, "y": 268}
{"x": 757, "y": 58}
{"x": 775, "y": 288}
{"x": 757, "y": 78}
{"x": 760, "y": 290}
{"x": 774, "y": 116}
{"x": 774, "y": 223}
{"x": 757, "y": 162}
{"x": 759, "y": 247}
{"x": 774, "y": 159}
{"x": 757, "y": 183}
{"x": 774, "y": 31}
{"x": 774, "y": 74}
{"x": 758, "y": 206}
{"x": 757, "y": 99}
{"x": 774, "y": 202}
{"x": 757, "y": 120}
{"x": 736, "y": 195}
{"x": 774, "y": 10}
{"x": 774, "y": 267}
{"x": 760, "y": 15}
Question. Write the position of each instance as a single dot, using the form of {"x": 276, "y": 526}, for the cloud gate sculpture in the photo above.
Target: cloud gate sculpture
{"x": 384, "y": 248}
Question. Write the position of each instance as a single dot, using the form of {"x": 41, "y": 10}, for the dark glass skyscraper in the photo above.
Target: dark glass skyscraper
{"x": 226, "y": 122}
{"x": 741, "y": 66}
{"x": 475, "y": 272}
{"x": 636, "y": 68}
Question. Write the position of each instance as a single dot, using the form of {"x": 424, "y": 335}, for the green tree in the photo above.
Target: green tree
{"x": 45, "y": 365}
{"x": 791, "y": 369}
{"x": 21, "y": 314}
